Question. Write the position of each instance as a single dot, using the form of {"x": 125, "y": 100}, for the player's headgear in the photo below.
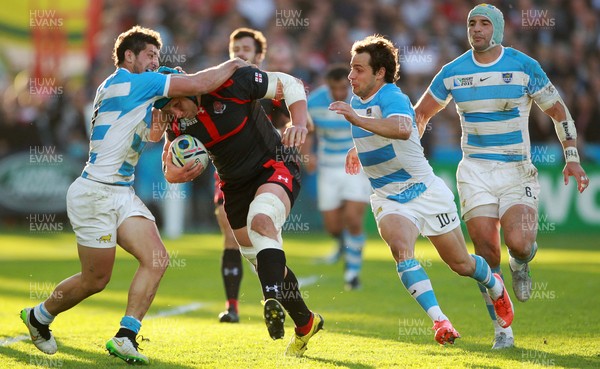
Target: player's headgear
{"x": 160, "y": 103}
{"x": 495, "y": 16}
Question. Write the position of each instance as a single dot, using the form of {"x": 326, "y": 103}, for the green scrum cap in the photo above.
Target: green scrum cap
{"x": 494, "y": 15}
{"x": 160, "y": 103}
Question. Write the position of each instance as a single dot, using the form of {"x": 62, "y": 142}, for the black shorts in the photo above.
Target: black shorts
{"x": 239, "y": 195}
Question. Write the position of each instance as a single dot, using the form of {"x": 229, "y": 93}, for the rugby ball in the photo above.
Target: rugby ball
{"x": 187, "y": 148}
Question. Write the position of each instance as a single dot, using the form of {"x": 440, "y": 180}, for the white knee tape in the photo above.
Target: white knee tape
{"x": 249, "y": 253}
{"x": 271, "y": 206}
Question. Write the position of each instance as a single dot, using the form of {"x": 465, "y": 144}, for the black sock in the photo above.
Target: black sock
{"x": 232, "y": 271}
{"x": 292, "y": 300}
{"x": 124, "y": 332}
{"x": 34, "y": 322}
{"x": 270, "y": 266}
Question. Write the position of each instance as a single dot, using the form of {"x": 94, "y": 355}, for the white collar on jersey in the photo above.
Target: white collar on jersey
{"x": 488, "y": 64}
{"x": 372, "y": 96}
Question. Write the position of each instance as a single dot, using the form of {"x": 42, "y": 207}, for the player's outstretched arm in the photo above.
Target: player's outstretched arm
{"x": 567, "y": 134}
{"x": 425, "y": 109}
{"x": 175, "y": 174}
{"x": 396, "y": 126}
{"x": 205, "y": 81}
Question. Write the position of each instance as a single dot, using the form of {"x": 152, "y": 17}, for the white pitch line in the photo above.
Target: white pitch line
{"x": 307, "y": 281}
{"x": 178, "y": 310}
{"x": 175, "y": 311}
{"x": 11, "y": 340}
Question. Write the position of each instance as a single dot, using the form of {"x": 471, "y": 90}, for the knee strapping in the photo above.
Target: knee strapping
{"x": 249, "y": 253}
{"x": 270, "y": 205}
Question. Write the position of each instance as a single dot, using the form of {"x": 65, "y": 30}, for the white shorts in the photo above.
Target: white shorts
{"x": 96, "y": 210}
{"x": 334, "y": 186}
{"x": 485, "y": 182}
{"x": 433, "y": 212}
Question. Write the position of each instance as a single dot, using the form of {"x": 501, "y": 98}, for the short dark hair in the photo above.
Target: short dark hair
{"x": 337, "y": 71}
{"x": 260, "y": 41}
{"x": 134, "y": 39}
{"x": 383, "y": 55}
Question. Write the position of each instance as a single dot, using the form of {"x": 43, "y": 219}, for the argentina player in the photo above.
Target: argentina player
{"x": 493, "y": 87}
{"x": 408, "y": 197}
{"x": 102, "y": 205}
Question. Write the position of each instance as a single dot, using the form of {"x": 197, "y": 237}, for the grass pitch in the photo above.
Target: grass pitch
{"x": 379, "y": 326}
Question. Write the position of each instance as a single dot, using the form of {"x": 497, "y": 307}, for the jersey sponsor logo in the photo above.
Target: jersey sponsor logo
{"x": 282, "y": 178}
{"x": 379, "y": 210}
{"x": 462, "y": 82}
{"x": 507, "y": 77}
{"x": 186, "y": 122}
{"x": 483, "y": 79}
{"x": 258, "y": 77}
{"x": 219, "y": 107}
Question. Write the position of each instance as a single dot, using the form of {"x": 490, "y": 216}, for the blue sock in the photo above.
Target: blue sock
{"x": 353, "y": 255}
{"x": 483, "y": 275}
{"x": 131, "y": 323}
{"x": 417, "y": 283}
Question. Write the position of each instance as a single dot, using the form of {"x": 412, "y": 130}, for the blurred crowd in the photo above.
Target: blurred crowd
{"x": 304, "y": 37}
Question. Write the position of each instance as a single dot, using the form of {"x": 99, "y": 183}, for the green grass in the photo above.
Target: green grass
{"x": 379, "y": 326}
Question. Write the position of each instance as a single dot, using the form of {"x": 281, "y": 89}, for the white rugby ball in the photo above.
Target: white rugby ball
{"x": 187, "y": 148}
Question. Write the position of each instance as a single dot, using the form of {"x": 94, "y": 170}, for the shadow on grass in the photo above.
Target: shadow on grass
{"x": 340, "y": 363}
{"x": 89, "y": 359}
{"x": 529, "y": 357}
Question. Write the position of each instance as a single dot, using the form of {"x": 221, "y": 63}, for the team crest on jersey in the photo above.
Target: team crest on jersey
{"x": 219, "y": 107}
{"x": 258, "y": 77}
{"x": 507, "y": 77}
{"x": 462, "y": 82}
{"x": 369, "y": 111}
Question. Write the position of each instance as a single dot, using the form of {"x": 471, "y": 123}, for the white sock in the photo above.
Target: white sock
{"x": 498, "y": 329}
{"x": 42, "y": 315}
{"x": 515, "y": 265}
{"x": 496, "y": 291}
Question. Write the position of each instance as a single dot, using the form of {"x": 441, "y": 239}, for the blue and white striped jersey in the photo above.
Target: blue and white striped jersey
{"x": 121, "y": 123}
{"x": 334, "y": 137}
{"x": 396, "y": 168}
{"x": 493, "y": 102}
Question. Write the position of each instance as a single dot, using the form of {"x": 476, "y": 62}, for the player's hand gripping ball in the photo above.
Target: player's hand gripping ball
{"x": 187, "y": 148}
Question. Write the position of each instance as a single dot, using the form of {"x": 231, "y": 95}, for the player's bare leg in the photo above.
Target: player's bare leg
{"x": 96, "y": 269}
{"x": 139, "y": 237}
{"x": 485, "y": 234}
{"x": 520, "y": 225}
{"x": 400, "y": 234}
{"x": 231, "y": 268}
